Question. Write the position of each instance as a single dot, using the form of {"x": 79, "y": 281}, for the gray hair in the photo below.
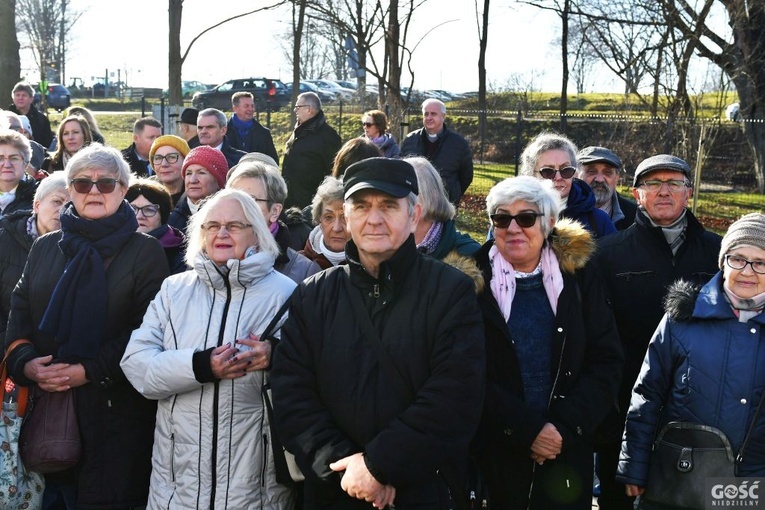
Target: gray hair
{"x": 196, "y": 236}
{"x": 431, "y": 101}
{"x": 276, "y": 187}
{"x": 312, "y": 99}
{"x": 433, "y": 198}
{"x": 543, "y": 142}
{"x": 411, "y": 203}
{"x": 18, "y": 142}
{"x": 51, "y": 184}
{"x": 330, "y": 190}
{"x": 102, "y": 157}
{"x": 214, "y": 112}
{"x": 539, "y": 192}
{"x": 23, "y": 86}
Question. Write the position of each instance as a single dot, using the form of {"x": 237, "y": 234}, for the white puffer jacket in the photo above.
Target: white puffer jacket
{"x": 211, "y": 442}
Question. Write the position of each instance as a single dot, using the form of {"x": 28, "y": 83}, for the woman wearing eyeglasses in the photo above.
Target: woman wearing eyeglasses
{"x": 704, "y": 364}
{"x": 553, "y": 157}
{"x": 553, "y": 352}
{"x": 73, "y": 134}
{"x": 167, "y": 155}
{"x": 375, "y": 124}
{"x": 199, "y": 353}
{"x": 84, "y": 289}
{"x": 151, "y": 203}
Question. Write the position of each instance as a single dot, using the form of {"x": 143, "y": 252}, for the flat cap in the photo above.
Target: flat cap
{"x": 595, "y": 154}
{"x": 392, "y": 176}
{"x": 661, "y": 162}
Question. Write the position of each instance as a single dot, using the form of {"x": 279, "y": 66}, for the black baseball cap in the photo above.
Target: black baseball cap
{"x": 392, "y": 176}
{"x": 596, "y": 154}
{"x": 189, "y": 116}
{"x": 661, "y": 162}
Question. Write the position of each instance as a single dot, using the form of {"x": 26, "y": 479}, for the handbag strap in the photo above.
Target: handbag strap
{"x": 268, "y": 333}
{"x": 748, "y": 436}
{"x": 22, "y": 396}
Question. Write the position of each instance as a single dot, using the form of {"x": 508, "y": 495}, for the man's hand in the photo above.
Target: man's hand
{"x": 547, "y": 445}
{"x": 359, "y": 483}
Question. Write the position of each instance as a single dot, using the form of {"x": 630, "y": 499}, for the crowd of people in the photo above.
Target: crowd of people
{"x": 179, "y": 286}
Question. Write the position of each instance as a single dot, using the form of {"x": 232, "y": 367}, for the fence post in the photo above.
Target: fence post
{"x": 162, "y": 112}
{"x": 340, "y": 122}
{"x": 518, "y": 133}
{"x": 143, "y": 106}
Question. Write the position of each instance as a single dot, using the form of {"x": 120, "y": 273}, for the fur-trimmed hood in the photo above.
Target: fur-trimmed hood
{"x": 572, "y": 243}
{"x": 468, "y": 266}
{"x": 680, "y": 300}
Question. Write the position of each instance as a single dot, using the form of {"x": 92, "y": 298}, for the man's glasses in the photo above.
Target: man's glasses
{"x": 566, "y": 172}
{"x": 367, "y": 124}
{"x": 739, "y": 263}
{"x": 13, "y": 160}
{"x": 83, "y": 185}
{"x": 299, "y": 106}
{"x": 232, "y": 227}
{"x": 170, "y": 158}
{"x": 523, "y": 219}
{"x": 148, "y": 211}
{"x": 654, "y": 185}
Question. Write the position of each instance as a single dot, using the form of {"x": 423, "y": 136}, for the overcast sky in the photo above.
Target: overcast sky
{"x": 133, "y": 40}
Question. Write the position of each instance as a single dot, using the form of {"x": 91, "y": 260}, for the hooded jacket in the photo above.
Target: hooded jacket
{"x": 587, "y": 362}
{"x": 581, "y": 207}
{"x": 702, "y": 366}
{"x": 211, "y": 442}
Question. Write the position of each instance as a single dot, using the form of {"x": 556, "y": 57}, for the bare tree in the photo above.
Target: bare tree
{"x": 46, "y": 24}
{"x": 482, "y": 20}
{"x": 10, "y": 62}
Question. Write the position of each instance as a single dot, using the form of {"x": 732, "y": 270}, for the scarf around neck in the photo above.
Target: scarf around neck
{"x": 503, "y": 279}
{"x": 744, "y": 308}
{"x": 76, "y": 312}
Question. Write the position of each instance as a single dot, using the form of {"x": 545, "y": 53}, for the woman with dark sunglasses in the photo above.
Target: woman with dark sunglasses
{"x": 152, "y": 205}
{"x": 553, "y": 355}
{"x": 84, "y": 289}
{"x": 375, "y": 126}
{"x": 553, "y": 157}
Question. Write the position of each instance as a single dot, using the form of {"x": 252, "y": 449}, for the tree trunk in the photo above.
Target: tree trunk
{"x": 298, "y": 20}
{"x": 175, "y": 62}
{"x": 564, "y": 62}
{"x": 392, "y": 46}
{"x": 10, "y": 63}
{"x": 483, "y": 39}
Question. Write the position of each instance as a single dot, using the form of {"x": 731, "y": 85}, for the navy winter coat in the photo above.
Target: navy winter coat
{"x": 581, "y": 207}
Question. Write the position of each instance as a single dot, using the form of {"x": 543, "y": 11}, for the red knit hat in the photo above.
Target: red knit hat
{"x": 212, "y": 159}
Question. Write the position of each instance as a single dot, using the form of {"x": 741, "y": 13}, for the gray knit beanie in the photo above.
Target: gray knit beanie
{"x": 748, "y": 229}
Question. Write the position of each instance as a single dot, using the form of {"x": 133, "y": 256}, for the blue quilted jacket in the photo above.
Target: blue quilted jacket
{"x": 702, "y": 366}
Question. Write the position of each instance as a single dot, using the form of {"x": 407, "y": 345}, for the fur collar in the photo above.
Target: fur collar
{"x": 572, "y": 244}
{"x": 468, "y": 266}
{"x": 680, "y": 300}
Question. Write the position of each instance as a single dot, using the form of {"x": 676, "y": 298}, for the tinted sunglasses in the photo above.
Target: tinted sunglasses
{"x": 83, "y": 185}
{"x": 524, "y": 219}
{"x": 565, "y": 172}
{"x": 367, "y": 124}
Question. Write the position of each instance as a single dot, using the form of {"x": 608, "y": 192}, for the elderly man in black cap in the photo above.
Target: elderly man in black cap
{"x": 378, "y": 378}
{"x": 601, "y": 169}
{"x": 666, "y": 243}
{"x": 187, "y": 126}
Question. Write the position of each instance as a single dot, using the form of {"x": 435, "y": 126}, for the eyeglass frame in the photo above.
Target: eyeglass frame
{"x": 145, "y": 208}
{"x": 158, "y": 158}
{"x": 237, "y": 225}
{"x": 747, "y": 262}
{"x": 3, "y": 159}
{"x": 546, "y": 169}
{"x": 106, "y": 181}
{"x": 500, "y": 217}
{"x": 299, "y": 106}
{"x": 668, "y": 182}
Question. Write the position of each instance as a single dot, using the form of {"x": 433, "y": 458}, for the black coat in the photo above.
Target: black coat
{"x": 15, "y": 244}
{"x": 39, "y": 123}
{"x": 308, "y": 159}
{"x": 25, "y": 196}
{"x": 452, "y": 158}
{"x": 137, "y": 166}
{"x": 258, "y": 139}
{"x": 629, "y": 209}
{"x": 587, "y": 363}
{"x": 179, "y": 216}
{"x": 233, "y": 155}
{"x": 638, "y": 267}
{"x": 335, "y": 397}
{"x": 116, "y": 422}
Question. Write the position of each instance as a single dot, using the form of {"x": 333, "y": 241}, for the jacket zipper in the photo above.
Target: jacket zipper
{"x": 216, "y": 399}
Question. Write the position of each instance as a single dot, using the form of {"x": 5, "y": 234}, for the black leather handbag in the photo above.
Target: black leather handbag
{"x": 684, "y": 456}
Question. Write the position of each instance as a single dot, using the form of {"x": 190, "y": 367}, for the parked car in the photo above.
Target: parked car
{"x": 191, "y": 87}
{"x": 326, "y": 96}
{"x": 269, "y": 94}
{"x": 343, "y": 93}
{"x": 346, "y": 84}
{"x": 57, "y": 97}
